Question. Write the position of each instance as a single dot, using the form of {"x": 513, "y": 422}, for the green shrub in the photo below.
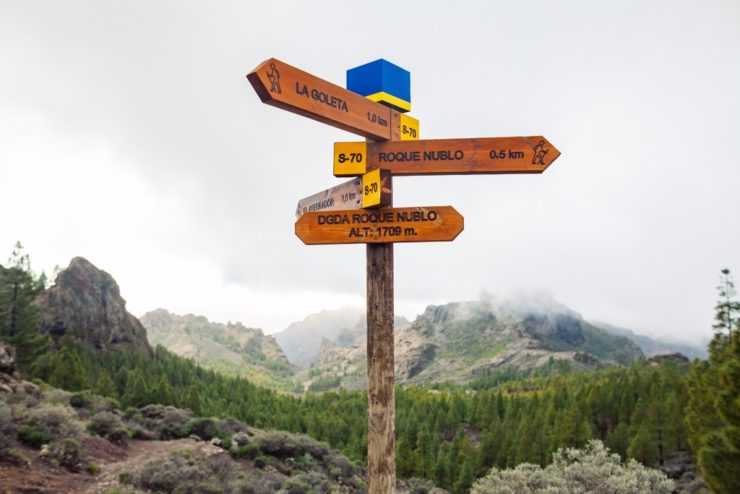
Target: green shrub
{"x": 31, "y": 436}
{"x": 294, "y": 486}
{"x": 105, "y": 423}
{"x": 93, "y": 469}
{"x": 66, "y": 453}
{"x": 248, "y": 451}
{"x": 204, "y": 428}
{"x": 262, "y": 461}
{"x": 81, "y": 400}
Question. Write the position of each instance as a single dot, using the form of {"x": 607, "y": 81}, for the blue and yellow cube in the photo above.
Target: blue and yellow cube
{"x": 383, "y": 82}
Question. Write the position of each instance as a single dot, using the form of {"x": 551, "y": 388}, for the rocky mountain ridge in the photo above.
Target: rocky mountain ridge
{"x": 230, "y": 348}
{"x": 463, "y": 340}
{"x": 85, "y": 302}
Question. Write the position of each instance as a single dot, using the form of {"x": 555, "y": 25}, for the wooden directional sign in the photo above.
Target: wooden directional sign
{"x": 292, "y": 89}
{"x": 371, "y": 190}
{"x": 389, "y": 225}
{"x": 446, "y": 156}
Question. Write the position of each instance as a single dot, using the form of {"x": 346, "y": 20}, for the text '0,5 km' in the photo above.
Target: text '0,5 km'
{"x": 389, "y": 225}
{"x": 531, "y": 154}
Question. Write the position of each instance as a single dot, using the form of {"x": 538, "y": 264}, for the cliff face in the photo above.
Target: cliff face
{"x": 85, "y": 302}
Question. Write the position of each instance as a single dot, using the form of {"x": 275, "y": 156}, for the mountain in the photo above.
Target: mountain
{"x": 652, "y": 346}
{"x": 463, "y": 340}
{"x": 85, "y": 302}
{"x": 301, "y": 341}
{"x": 229, "y": 348}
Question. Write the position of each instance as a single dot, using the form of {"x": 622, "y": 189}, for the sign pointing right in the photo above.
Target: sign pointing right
{"x": 531, "y": 154}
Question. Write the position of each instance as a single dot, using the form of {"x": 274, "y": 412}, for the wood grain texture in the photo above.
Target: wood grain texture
{"x": 385, "y": 225}
{"x": 532, "y": 154}
{"x": 284, "y": 86}
{"x": 347, "y": 195}
{"x": 381, "y": 401}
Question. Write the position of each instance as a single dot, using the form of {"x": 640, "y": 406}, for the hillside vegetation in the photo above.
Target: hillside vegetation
{"x": 232, "y": 349}
{"x": 451, "y": 434}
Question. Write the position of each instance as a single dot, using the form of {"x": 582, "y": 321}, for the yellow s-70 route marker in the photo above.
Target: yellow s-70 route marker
{"x": 371, "y": 190}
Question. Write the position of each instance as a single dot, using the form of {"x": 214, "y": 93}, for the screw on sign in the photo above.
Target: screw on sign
{"x": 374, "y": 105}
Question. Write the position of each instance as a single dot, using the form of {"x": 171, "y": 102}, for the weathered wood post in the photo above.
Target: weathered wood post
{"x": 381, "y": 401}
{"x": 339, "y": 215}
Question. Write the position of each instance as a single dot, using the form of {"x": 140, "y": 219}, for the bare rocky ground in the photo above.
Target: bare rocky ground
{"x": 42, "y": 478}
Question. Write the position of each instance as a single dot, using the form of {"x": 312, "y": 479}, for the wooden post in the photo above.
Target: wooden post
{"x": 381, "y": 402}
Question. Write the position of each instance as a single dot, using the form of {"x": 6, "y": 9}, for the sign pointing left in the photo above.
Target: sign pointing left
{"x": 371, "y": 190}
{"x": 284, "y": 86}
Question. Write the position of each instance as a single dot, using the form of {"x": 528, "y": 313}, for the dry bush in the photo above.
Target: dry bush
{"x": 283, "y": 445}
{"x": 55, "y": 396}
{"x": 109, "y": 425}
{"x": 308, "y": 482}
{"x": 166, "y": 421}
{"x": 577, "y": 471}
{"x": 56, "y": 420}
{"x": 185, "y": 472}
{"x": 66, "y": 453}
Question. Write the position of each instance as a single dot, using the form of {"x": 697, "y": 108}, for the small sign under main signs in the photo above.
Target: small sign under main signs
{"x": 446, "y": 156}
{"x": 388, "y": 225}
{"x": 370, "y": 190}
{"x": 284, "y": 86}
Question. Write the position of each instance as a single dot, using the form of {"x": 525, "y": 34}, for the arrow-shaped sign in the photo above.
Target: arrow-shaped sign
{"x": 446, "y": 156}
{"x": 281, "y": 85}
{"x": 373, "y": 189}
{"x": 420, "y": 224}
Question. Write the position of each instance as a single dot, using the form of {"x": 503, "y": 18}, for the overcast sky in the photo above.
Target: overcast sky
{"x": 130, "y": 136}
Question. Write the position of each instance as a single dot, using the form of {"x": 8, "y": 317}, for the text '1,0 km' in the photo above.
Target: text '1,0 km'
{"x": 420, "y": 224}
{"x": 531, "y": 154}
{"x": 292, "y": 89}
{"x": 371, "y": 190}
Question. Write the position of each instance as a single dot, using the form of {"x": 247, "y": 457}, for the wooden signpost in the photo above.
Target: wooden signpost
{"x": 371, "y": 190}
{"x": 421, "y": 224}
{"x": 340, "y": 215}
{"x": 446, "y": 156}
{"x": 289, "y": 88}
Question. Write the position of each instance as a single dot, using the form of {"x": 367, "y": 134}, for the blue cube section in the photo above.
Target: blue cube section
{"x": 383, "y": 82}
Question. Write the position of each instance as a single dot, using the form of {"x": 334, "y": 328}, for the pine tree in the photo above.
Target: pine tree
{"x": 67, "y": 369}
{"x": 104, "y": 385}
{"x": 727, "y": 309}
{"x": 137, "y": 392}
{"x": 643, "y": 447}
{"x": 713, "y": 410}
{"x": 442, "y": 467}
{"x": 20, "y": 319}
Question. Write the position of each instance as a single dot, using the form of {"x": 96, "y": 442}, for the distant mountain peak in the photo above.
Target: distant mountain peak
{"x": 85, "y": 302}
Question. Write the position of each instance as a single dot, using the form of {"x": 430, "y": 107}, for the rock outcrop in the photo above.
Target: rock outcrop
{"x": 85, "y": 302}
{"x": 462, "y": 340}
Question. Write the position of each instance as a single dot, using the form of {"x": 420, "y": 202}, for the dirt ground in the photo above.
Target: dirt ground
{"x": 42, "y": 478}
